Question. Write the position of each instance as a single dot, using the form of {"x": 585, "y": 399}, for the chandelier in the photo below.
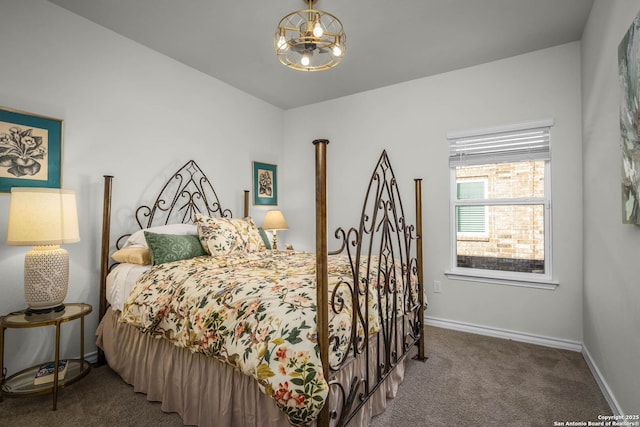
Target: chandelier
{"x": 310, "y": 40}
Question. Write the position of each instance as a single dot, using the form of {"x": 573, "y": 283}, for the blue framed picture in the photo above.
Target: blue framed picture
{"x": 265, "y": 184}
{"x": 30, "y": 150}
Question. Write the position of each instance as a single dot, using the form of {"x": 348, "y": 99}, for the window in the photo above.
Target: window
{"x": 501, "y": 204}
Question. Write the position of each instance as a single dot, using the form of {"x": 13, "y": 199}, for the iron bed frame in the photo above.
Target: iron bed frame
{"x": 383, "y": 236}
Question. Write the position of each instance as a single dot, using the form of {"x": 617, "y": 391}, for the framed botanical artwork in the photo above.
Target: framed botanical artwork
{"x": 265, "y": 184}
{"x": 30, "y": 150}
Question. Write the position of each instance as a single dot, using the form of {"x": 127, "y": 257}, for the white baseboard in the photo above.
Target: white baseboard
{"x": 604, "y": 387}
{"x": 504, "y": 333}
{"x": 91, "y": 357}
{"x": 533, "y": 339}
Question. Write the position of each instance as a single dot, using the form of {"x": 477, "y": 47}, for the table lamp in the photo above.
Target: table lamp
{"x": 43, "y": 218}
{"x": 274, "y": 220}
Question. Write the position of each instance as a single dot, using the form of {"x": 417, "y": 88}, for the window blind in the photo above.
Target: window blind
{"x": 497, "y": 147}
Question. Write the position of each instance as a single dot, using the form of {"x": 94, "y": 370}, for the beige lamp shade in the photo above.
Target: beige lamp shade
{"x": 44, "y": 218}
{"x": 274, "y": 220}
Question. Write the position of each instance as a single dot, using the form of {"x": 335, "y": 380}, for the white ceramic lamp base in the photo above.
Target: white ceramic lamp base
{"x": 46, "y": 278}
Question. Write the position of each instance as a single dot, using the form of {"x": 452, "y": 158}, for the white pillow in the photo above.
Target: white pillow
{"x": 137, "y": 239}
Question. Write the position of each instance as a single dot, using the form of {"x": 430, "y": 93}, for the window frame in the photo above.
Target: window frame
{"x": 536, "y": 280}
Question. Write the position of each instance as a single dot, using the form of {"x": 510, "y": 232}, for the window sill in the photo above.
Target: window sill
{"x": 537, "y": 284}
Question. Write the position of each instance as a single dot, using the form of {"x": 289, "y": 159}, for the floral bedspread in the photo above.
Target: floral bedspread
{"x": 255, "y": 311}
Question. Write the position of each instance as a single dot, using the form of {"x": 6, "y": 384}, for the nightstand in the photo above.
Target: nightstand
{"x": 21, "y": 384}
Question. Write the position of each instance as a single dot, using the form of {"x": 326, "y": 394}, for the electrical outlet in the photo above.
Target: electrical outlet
{"x": 437, "y": 286}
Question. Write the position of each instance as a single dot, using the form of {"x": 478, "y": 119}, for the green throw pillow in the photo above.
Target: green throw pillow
{"x": 265, "y": 239}
{"x": 172, "y": 247}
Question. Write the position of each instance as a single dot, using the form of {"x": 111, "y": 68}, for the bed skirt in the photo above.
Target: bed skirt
{"x": 204, "y": 391}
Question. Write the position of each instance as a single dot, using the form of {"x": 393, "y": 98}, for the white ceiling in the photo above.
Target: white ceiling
{"x": 388, "y": 41}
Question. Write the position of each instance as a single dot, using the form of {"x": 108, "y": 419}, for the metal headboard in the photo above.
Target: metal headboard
{"x": 186, "y": 193}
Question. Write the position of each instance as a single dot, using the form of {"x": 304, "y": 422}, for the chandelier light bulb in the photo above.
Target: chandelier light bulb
{"x": 305, "y": 59}
{"x": 336, "y": 50}
{"x": 317, "y": 30}
{"x": 282, "y": 42}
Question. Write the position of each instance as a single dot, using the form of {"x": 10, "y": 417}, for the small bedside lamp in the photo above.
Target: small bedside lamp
{"x": 274, "y": 220}
{"x": 43, "y": 218}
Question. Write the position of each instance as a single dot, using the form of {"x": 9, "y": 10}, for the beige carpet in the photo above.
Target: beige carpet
{"x": 473, "y": 380}
{"x": 469, "y": 380}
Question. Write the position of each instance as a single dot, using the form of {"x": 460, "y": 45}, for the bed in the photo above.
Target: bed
{"x": 225, "y": 331}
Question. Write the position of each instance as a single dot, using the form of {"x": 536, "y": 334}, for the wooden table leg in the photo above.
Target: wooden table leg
{"x": 55, "y": 367}
{"x": 3, "y": 373}
{"x": 82, "y": 343}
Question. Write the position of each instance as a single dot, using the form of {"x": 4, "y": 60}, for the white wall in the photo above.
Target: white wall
{"x": 410, "y": 120}
{"x": 130, "y": 112}
{"x": 611, "y": 279}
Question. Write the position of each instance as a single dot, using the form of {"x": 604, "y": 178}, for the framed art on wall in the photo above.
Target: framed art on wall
{"x": 629, "y": 71}
{"x": 30, "y": 150}
{"x": 265, "y": 184}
